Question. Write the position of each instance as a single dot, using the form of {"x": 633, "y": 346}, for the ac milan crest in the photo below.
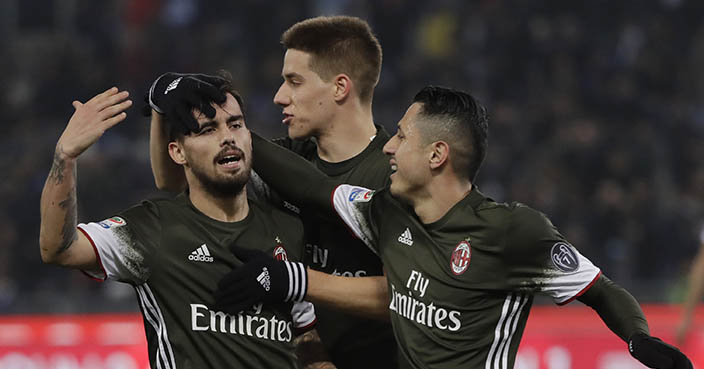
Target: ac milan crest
{"x": 280, "y": 251}
{"x": 461, "y": 257}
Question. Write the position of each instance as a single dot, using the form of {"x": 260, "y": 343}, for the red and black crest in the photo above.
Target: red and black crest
{"x": 461, "y": 256}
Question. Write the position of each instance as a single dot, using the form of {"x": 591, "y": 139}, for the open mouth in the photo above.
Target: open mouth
{"x": 287, "y": 119}
{"x": 229, "y": 160}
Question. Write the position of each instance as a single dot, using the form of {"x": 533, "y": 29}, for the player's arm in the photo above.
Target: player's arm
{"x": 311, "y": 352}
{"x": 59, "y": 241}
{"x": 617, "y": 308}
{"x": 168, "y": 175}
{"x": 264, "y": 279}
{"x": 362, "y": 296}
{"x": 623, "y": 315}
{"x": 694, "y": 295}
{"x": 292, "y": 176}
{"x": 535, "y": 241}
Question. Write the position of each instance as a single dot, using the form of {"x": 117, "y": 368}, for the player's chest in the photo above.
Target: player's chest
{"x": 450, "y": 260}
{"x": 201, "y": 252}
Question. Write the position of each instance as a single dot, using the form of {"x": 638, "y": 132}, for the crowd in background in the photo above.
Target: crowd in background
{"x": 597, "y": 114}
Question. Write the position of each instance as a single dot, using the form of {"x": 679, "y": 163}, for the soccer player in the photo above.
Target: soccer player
{"x": 694, "y": 293}
{"x": 330, "y": 69}
{"x": 172, "y": 250}
{"x": 462, "y": 269}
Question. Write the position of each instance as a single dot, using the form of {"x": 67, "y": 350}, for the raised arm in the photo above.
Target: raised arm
{"x": 292, "y": 176}
{"x": 59, "y": 242}
{"x": 168, "y": 176}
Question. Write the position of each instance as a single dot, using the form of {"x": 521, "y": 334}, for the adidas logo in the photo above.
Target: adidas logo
{"x": 201, "y": 254}
{"x": 264, "y": 279}
{"x": 406, "y": 238}
{"x": 172, "y": 85}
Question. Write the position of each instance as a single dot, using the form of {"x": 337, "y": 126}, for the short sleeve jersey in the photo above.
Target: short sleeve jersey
{"x": 174, "y": 256}
{"x": 331, "y": 248}
{"x": 461, "y": 287}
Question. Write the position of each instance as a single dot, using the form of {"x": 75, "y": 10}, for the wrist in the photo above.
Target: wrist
{"x": 61, "y": 154}
{"x": 298, "y": 281}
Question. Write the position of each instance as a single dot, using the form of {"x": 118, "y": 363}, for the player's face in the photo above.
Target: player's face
{"x": 306, "y": 99}
{"x": 409, "y": 157}
{"x": 220, "y": 154}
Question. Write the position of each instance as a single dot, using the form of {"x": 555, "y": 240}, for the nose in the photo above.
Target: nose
{"x": 281, "y": 98}
{"x": 390, "y": 146}
{"x": 228, "y": 138}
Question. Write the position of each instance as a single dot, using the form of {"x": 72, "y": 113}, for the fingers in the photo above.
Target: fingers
{"x": 76, "y": 104}
{"x": 185, "y": 116}
{"x": 198, "y": 102}
{"x": 212, "y": 93}
{"x": 114, "y": 120}
{"x": 113, "y": 110}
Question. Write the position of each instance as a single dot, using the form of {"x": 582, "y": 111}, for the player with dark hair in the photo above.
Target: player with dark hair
{"x": 330, "y": 69}
{"x": 172, "y": 250}
{"x": 462, "y": 269}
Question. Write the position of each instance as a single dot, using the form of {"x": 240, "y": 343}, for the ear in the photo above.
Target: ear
{"x": 343, "y": 86}
{"x": 439, "y": 154}
{"x": 176, "y": 153}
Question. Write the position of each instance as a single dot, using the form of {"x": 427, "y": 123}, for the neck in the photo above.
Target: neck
{"x": 231, "y": 208}
{"x": 435, "y": 204}
{"x": 347, "y": 135}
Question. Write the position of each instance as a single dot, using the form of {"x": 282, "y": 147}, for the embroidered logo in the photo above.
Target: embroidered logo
{"x": 172, "y": 85}
{"x": 201, "y": 254}
{"x": 279, "y": 251}
{"x": 461, "y": 256}
{"x": 564, "y": 257}
{"x": 406, "y": 238}
{"x": 264, "y": 279}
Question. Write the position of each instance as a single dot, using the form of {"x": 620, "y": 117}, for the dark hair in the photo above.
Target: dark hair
{"x": 339, "y": 44}
{"x": 177, "y": 130}
{"x": 459, "y": 119}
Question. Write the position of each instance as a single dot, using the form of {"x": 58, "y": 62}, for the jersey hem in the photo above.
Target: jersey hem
{"x": 580, "y": 293}
{"x": 97, "y": 256}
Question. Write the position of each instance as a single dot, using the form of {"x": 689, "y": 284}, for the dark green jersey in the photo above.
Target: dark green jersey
{"x": 174, "y": 257}
{"x": 351, "y": 341}
{"x": 461, "y": 287}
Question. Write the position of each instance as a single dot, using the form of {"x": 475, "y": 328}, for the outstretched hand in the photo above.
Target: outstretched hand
{"x": 261, "y": 279}
{"x": 654, "y": 353}
{"x": 91, "y": 119}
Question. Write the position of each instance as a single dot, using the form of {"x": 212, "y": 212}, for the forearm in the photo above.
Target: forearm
{"x": 310, "y": 351}
{"x": 617, "y": 308}
{"x": 291, "y": 175}
{"x": 58, "y": 208}
{"x": 168, "y": 175}
{"x": 362, "y": 296}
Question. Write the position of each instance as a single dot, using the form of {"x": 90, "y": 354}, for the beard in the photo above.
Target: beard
{"x": 219, "y": 185}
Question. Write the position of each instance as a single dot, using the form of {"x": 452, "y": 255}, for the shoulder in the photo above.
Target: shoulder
{"x": 305, "y": 148}
{"x": 277, "y": 215}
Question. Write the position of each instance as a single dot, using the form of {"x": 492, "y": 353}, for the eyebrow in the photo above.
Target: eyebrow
{"x": 291, "y": 75}
{"x": 211, "y": 123}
